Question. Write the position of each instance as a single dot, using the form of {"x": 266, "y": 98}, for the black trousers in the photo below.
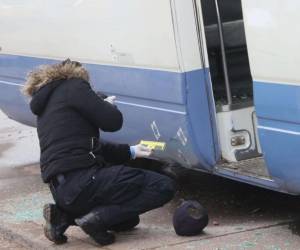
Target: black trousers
{"x": 117, "y": 193}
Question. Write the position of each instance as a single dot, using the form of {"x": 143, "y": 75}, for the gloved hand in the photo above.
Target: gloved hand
{"x": 110, "y": 99}
{"x": 140, "y": 151}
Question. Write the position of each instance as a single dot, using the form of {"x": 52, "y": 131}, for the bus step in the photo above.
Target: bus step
{"x": 255, "y": 167}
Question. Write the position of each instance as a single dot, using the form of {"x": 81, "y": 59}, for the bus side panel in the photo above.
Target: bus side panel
{"x": 127, "y": 33}
{"x": 279, "y": 131}
{"x": 164, "y": 116}
{"x": 95, "y": 32}
{"x": 273, "y": 44}
{"x": 156, "y": 75}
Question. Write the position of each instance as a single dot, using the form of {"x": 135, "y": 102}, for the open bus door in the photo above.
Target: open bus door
{"x": 232, "y": 84}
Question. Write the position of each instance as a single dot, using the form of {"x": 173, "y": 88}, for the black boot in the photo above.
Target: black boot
{"x": 93, "y": 225}
{"x": 126, "y": 225}
{"x": 57, "y": 223}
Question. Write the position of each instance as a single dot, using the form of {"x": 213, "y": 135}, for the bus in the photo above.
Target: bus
{"x": 216, "y": 80}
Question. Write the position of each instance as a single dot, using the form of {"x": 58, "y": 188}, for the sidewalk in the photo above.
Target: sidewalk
{"x": 241, "y": 217}
{"x": 23, "y": 195}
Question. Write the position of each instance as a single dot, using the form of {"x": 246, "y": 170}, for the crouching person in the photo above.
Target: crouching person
{"x": 89, "y": 183}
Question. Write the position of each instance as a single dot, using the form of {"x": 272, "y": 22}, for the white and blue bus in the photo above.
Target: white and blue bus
{"x": 217, "y": 80}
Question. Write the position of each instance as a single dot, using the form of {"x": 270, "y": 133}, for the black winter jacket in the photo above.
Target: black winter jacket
{"x": 69, "y": 114}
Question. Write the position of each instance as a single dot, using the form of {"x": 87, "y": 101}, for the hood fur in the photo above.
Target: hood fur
{"x": 48, "y": 73}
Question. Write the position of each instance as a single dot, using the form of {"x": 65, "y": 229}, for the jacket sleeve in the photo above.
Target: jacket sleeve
{"x": 102, "y": 114}
{"x": 115, "y": 153}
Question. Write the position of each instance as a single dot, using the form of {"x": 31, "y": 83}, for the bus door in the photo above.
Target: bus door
{"x": 231, "y": 79}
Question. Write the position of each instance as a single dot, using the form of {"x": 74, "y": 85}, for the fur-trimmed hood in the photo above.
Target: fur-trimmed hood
{"x": 46, "y": 74}
{"x": 42, "y": 81}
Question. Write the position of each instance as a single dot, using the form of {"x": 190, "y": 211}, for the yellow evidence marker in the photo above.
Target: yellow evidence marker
{"x": 154, "y": 145}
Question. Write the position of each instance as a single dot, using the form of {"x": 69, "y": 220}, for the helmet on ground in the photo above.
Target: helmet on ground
{"x": 190, "y": 218}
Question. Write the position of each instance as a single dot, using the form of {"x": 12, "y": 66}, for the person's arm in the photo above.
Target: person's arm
{"x": 121, "y": 153}
{"x": 115, "y": 153}
{"x": 102, "y": 114}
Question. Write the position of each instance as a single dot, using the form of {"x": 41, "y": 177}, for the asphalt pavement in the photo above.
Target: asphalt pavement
{"x": 241, "y": 216}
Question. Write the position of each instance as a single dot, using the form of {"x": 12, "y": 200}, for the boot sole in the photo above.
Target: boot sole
{"x": 49, "y": 214}
{"x": 102, "y": 240}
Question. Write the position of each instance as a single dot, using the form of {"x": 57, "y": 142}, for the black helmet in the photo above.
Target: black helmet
{"x": 190, "y": 218}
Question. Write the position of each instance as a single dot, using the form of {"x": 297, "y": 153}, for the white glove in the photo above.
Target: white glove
{"x": 110, "y": 99}
{"x": 140, "y": 151}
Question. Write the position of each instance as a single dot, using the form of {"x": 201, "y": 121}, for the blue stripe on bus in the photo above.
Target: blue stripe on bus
{"x": 149, "y": 84}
